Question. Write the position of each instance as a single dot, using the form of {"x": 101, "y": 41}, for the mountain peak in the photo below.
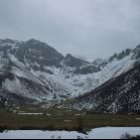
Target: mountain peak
{"x": 69, "y": 56}
{"x": 73, "y": 61}
{"x": 121, "y": 55}
{"x": 136, "y": 52}
{"x": 34, "y": 42}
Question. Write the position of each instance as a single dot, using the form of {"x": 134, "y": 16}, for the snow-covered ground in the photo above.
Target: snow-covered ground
{"x": 98, "y": 133}
{"x": 30, "y": 113}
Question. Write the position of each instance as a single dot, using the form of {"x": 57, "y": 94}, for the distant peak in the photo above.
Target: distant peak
{"x": 69, "y": 56}
{"x": 120, "y": 55}
{"x": 33, "y": 40}
{"x": 136, "y": 52}
{"x": 137, "y": 48}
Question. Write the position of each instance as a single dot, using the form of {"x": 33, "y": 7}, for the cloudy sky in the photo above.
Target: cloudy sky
{"x": 86, "y": 28}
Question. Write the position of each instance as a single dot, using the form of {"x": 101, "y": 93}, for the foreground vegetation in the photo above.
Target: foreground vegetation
{"x": 58, "y": 119}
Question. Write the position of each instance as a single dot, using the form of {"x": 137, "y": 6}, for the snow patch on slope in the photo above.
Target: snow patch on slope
{"x": 77, "y": 84}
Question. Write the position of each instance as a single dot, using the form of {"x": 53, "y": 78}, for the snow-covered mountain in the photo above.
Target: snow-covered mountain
{"x": 120, "y": 93}
{"x": 33, "y": 70}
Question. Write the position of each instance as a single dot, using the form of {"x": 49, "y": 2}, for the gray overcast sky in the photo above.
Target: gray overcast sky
{"x": 88, "y": 28}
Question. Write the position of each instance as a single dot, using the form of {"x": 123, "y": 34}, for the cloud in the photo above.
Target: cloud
{"x": 88, "y": 28}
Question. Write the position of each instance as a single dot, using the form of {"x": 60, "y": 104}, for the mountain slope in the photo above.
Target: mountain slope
{"x": 18, "y": 59}
{"x": 120, "y": 94}
{"x": 33, "y": 70}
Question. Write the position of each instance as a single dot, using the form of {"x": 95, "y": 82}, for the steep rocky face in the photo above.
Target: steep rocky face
{"x": 100, "y": 62}
{"x": 80, "y": 66}
{"x": 121, "y": 55}
{"x": 71, "y": 61}
{"x": 41, "y": 53}
{"x": 136, "y": 52}
{"x": 31, "y": 52}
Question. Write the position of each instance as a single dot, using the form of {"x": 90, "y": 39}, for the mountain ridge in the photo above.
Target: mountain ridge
{"x": 36, "y": 71}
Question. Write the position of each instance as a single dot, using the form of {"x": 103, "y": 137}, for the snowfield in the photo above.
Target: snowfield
{"x": 98, "y": 133}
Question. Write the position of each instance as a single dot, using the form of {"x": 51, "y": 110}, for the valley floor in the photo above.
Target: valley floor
{"x": 32, "y": 117}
